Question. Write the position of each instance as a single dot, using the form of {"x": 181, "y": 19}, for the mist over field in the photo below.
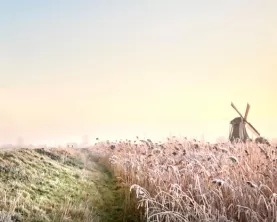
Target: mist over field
{"x": 115, "y": 70}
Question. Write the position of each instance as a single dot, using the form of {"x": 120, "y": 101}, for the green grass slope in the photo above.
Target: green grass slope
{"x": 43, "y": 185}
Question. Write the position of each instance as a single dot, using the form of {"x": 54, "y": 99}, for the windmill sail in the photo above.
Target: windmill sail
{"x": 238, "y": 126}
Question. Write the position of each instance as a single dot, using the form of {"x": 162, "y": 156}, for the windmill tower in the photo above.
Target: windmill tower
{"x": 237, "y": 127}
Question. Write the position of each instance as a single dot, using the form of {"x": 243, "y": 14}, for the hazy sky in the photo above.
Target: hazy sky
{"x": 117, "y": 69}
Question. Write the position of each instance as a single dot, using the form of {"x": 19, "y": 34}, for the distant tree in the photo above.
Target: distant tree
{"x": 262, "y": 140}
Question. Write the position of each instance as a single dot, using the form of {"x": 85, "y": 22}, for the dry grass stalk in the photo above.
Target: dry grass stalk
{"x": 183, "y": 180}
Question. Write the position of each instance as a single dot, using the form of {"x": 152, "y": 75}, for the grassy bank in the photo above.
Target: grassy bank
{"x": 56, "y": 185}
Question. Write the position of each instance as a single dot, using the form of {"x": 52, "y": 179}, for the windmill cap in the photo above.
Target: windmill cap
{"x": 237, "y": 120}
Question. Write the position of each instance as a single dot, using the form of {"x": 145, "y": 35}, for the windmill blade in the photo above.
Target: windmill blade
{"x": 246, "y": 112}
{"x": 253, "y": 128}
{"x": 232, "y": 104}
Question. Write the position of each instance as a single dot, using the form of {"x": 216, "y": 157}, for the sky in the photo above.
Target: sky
{"x": 120, "y": 69}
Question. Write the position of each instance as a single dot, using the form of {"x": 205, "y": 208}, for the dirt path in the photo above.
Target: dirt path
{"x": 112, "y": 207}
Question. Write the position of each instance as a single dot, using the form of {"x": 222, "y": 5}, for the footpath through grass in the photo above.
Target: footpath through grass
{"x": 56, "y": 185}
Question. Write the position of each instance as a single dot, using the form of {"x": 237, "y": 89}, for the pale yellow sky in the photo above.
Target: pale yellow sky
{"x": 115, "y": 71}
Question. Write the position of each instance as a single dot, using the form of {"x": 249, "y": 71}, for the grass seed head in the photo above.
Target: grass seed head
{"x": 251, "y": 184}
{"x": 234, "y": 159}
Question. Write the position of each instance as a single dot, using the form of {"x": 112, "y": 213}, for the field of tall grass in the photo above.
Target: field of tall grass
{"x": 141, "y": 181}
{"x": 187, "y": 180}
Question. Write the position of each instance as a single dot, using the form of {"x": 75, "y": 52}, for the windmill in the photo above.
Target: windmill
{"x": 237, "y": 127}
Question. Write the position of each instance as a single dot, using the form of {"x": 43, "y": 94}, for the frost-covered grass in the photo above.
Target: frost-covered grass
{"x": 183, "y": 180}
{"x": 56, "y": 185}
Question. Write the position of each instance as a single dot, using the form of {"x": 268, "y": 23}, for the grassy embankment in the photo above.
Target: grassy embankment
{"x": 57, "y": 185}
